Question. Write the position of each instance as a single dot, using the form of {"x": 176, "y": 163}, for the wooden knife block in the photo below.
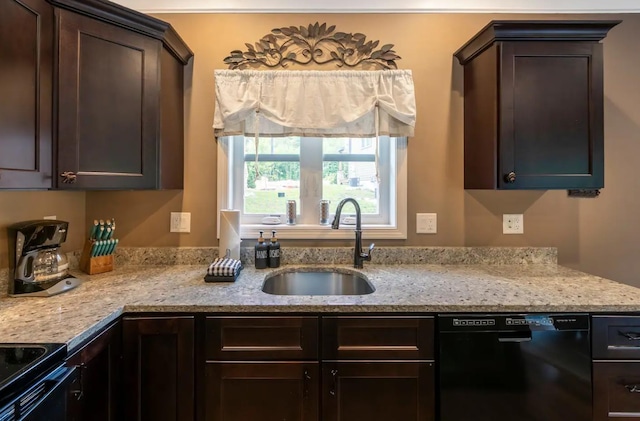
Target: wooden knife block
{"x": 94, "y": 265}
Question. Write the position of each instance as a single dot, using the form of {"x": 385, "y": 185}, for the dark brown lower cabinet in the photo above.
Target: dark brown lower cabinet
{"x": 378, "y": 391}
{"x": 158, "y": 368}
{"x": 95, "y": 394}
{"x": 616, "y": 390}
{"x": 262, "y": 391}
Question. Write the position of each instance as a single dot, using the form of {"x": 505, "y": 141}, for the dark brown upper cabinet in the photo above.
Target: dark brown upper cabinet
{"x": 26, "y": 66}
{"x": 92, "y": 97}
{"x": 533, "y": 105}
{"x": 120, "y": 99}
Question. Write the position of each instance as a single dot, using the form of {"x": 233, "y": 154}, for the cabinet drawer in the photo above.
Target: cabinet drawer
{"x": 616, "y": 337}
{"x": 263, "y": 338}
{"x": 400, "y": 338}
{"x": 616, "y": 390}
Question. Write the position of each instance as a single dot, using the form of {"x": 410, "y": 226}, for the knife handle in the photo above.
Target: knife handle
{"x": 103, "y": 249}
{"x": 106, "y": 234}
{"x": 112, "y": 244}
{"x": 94, "y": 229}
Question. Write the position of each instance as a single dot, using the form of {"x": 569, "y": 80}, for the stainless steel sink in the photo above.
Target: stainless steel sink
{"x": 317, "y": 283}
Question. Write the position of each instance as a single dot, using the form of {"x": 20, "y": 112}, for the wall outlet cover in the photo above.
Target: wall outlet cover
{"x": 180, "y": 222}
{"x": 50, "y": 217}
{"x": 426, "y": 223}
{"x": 513, "y": 223}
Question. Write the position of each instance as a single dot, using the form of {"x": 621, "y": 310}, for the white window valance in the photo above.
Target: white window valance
{"x": 314, "y": 103}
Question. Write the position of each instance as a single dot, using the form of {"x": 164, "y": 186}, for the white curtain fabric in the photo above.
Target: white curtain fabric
{"x": 314, "y": 103}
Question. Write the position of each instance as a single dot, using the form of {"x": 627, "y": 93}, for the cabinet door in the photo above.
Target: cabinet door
{"x": 95, "y": 393}
{"x": 26, "y": 66}
{"x": 551, "y": 115}
{"x": 108, "y": 105}
{"x": 247, "y": 391}
{"x": 616, "y": 391}
{"x": 378, "y": 391}
{"x": 158, "y": 368}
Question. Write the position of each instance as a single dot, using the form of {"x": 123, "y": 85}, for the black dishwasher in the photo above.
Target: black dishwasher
{"x": 516, "y": 367}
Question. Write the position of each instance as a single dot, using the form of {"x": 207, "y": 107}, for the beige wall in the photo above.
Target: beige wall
{"x": 26, "y": 205}
{"x": 597, "y": 235}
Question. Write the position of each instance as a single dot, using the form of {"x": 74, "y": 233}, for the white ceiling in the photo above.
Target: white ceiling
{"x": 383, "y": 6}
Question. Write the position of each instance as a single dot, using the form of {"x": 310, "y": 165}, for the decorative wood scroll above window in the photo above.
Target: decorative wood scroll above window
{"x": 313, "y": 44}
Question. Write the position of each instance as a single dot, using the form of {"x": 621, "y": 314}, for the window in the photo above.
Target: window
{"x": 308, "y": 170}
{"x": 343, "y": 113}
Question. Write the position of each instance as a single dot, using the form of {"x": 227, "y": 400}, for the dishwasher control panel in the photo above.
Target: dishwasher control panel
{"x": 513, "y": 322}
{"x": 537, "y": 321}
{"x": 474, "y": 322}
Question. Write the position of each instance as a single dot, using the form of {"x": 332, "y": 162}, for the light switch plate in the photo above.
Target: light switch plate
{"x": 426, "y": 223}
{"x": 513, "y": 223}
{"x": 180, "y": 222}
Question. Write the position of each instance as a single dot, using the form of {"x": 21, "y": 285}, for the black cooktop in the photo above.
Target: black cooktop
{"x": 21, "y": 364}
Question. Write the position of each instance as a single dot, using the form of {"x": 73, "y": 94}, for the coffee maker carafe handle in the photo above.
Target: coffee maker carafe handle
{"x": 24, "y": 271}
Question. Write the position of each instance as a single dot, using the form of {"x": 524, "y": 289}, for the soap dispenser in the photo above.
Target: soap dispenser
{"x": 274, "y": 251}
{"x": 262, "y": 253}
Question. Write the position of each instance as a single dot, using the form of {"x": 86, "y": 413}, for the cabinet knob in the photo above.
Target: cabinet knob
{"x": 68, "y": 177}
{"x": 510, "y": 178}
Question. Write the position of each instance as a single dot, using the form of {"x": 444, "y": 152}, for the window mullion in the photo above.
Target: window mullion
{"x": 310, "y": 179}
{"x": 237, "y": 176}
{"x": 387, "y": 177}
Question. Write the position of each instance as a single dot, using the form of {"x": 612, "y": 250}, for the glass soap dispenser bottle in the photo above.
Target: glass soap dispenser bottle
{"x": 274, "y": 251}
{"x": 262, "y": 253}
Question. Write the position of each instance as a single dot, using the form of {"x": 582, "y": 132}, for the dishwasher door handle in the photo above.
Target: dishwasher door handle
{"x": 516, "y": 339}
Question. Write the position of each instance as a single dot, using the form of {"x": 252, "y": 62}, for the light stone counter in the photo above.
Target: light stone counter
{"x": 74, "y": 316}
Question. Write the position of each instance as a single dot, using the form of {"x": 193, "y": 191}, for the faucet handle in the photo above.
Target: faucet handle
{"x": 367, "y": 255}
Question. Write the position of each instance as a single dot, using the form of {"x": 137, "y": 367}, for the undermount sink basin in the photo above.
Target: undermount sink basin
{"x": 317, "y": 283}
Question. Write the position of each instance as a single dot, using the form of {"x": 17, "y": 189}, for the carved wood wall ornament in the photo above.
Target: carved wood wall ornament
{"x": 315, "y": 43}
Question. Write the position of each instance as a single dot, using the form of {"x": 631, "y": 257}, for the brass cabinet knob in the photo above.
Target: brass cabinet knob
{"x": 68, "y": 177}
{"x": 510, "y": 178}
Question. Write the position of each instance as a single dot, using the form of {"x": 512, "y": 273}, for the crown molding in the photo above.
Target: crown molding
{"x": 382, "y": 6}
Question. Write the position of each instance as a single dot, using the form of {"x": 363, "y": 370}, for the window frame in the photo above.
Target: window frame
{"x": 307, "y": 229}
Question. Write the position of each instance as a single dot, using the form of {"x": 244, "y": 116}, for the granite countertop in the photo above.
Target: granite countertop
{"x": 75, "y": 315}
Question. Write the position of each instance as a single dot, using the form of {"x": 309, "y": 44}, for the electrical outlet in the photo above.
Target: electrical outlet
{"x": 513, "y": 223}
{"x": 180, "y": 222}
{"x": 426, "y": 223}
{"x": 50, "y": 217}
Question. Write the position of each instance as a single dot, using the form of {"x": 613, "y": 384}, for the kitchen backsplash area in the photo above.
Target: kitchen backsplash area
{"x": 159, "y": 256}
{"x": 343, "y": 255}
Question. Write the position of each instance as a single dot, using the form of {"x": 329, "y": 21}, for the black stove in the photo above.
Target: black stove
{"x": 23, "y": 364}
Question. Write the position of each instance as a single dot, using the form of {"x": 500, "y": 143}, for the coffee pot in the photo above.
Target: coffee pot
{"x": 38, "y": 267}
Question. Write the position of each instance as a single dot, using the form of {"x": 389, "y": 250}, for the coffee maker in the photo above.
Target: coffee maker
{"x": 38, "y": 267}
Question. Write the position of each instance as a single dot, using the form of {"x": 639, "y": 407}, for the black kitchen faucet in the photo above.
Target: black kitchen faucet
{"x": 358, "y": 256}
